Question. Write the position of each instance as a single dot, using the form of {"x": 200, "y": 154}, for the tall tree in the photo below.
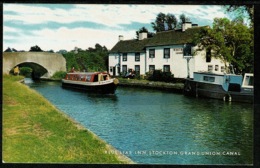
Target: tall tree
{"x": 184, "y": 19}
{"x": 171, "y": 21}
{"x": 160, "y": 20}
{"x": 230, "y": 41}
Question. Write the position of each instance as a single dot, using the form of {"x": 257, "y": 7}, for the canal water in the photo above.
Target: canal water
{"x": 156, "y": 127}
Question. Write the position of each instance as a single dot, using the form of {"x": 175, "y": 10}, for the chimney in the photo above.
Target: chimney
{"x": 142, "y": 35}
{"x": 186, "y": 25}
{"x": 120, "y": 38}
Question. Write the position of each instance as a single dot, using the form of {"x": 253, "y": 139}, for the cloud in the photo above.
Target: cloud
{"x": 56, "y": 26}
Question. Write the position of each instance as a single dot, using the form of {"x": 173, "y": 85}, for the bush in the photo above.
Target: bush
{"x": 158, "y": 75}
{"x": 26, "y": 71}
{"x": 59, "y": 75}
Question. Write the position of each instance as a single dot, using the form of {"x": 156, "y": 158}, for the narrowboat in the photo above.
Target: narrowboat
{"x": 99, "y": 82}
{"x": 228, "y": 87}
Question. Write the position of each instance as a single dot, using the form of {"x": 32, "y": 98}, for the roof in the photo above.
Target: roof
{"x": 172, "y": 37}
{"x": 134, "y": 45}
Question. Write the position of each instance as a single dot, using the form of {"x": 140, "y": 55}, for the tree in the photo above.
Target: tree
{"x": 240, "y": 10}
{"x": 230, "y": 41}
{"x": 184, "y": 19}
{"x": 160, "y": 20}
{"x": 142, "y": 30}
{"x": 8, "y": 50}
{"x": 35, "y": 49}
{"x": 171, "y": 21}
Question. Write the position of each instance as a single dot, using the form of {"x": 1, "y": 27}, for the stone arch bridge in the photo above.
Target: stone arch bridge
{"x": 44, "y": 64}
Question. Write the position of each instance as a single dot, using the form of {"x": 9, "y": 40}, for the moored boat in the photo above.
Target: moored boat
{"x": 228, "y": 87}
{"x": 99, "y": 82}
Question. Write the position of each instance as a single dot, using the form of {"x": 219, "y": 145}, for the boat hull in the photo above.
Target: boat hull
{"x": 207, "y": 90}
{"x": 95, "y": 87}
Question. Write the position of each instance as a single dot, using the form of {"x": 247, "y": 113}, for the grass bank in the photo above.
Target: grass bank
{"x": 34, "y": 131}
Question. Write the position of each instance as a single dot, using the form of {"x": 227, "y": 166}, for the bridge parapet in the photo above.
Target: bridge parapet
{"x": 52, "y": 62}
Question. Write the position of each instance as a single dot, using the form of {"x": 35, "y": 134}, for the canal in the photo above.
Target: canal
{"x": 156, "y": 127}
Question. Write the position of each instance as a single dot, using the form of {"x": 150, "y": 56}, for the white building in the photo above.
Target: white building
{"x": 169, "y": 51}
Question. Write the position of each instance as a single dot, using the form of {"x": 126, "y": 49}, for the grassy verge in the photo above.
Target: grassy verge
{"x": 34, "y": 131}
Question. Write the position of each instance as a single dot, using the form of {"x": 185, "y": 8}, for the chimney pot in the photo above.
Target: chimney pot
{"x": 120, "y": 38}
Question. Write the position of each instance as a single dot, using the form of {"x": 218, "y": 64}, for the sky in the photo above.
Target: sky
{"x": 66, "y": 26}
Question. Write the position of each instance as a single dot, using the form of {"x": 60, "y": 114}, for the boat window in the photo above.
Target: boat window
{"x": 209, "y": 78}
{"x": 88, "y": 78}
{"x": 249, "y": 81}
{"x": 95, "y": 78}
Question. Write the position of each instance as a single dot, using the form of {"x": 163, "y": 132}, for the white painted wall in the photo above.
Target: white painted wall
{"x": 178, "y": 64}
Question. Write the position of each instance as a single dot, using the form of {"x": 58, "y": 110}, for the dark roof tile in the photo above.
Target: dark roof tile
{"x": 172, "y": 37}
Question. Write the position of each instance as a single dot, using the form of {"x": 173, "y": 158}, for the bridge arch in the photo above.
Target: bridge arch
{"x": 48, "y": 62}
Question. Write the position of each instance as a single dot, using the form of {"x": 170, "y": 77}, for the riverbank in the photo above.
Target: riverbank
{"x": 173, "y": 87}
{"x": 34, "y": 131}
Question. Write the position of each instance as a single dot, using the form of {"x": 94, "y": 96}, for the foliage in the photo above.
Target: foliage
{"x": 165, "y": 22}
{"x": 158, "y": 25}
{"x": 35, "y": 49}
{"x": 92, "y": 59}
{"x": 241, "y": 11}
{"x": 184, "y": 19}
{"x": 10, "y": 50}
{"x": 26, "y": 71}
{"x": 230, "y": 41}
{"x": 171, "y": 21}
{"x": 158, "y": 75}
{"x": 59, "y": 75}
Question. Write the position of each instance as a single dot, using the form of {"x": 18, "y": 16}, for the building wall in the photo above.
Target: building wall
{"x": 115, "y": 60}
{"x": 200, "y": 63}
{"x": 178, "y": 63}
{"x": 159, "y": 61}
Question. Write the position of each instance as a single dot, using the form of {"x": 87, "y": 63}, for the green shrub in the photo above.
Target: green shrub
{"x": 59, "y": 75}
{"x": 158, "y": 75}
{"x": 26, "y": 71}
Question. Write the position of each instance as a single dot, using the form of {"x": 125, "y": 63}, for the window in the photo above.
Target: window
{"x": 137, "y": 69}
{"x": 222, "y": 68}
{"x": 137, "y": 57}
{"x": 249, "y": 81}
{"x": 166, "y": 53}
{"x": 216, "y": 67}
{"x": 124, "y": 56}
{"x": 152, "y": 53}
{"x": 210, "y": 68}
{"x": 124, "y": 69}
{"x": 208, "y": 55}
{"x": 187, "y": 50}
{"x": 151, "y": 68}
{"x": 111, "y": 69}
{"x": 209, "y": 78}
{"x": 166, "y": 68}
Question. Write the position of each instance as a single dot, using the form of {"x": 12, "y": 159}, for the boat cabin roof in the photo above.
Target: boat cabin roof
{"x": 86, "y": 73}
